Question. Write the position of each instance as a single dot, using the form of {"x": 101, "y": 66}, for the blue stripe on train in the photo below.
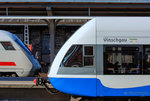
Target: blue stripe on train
{"x": 75, "y": 86}
{"x": 88, "y": 87}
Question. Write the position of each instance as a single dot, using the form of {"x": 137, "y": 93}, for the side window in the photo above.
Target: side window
{"x": 122, "y": 59}
{"x": 79, "y": 56}
{"x": 146, "y": 59}
{"x": 7, "y": 45}
{"x": 88, "y": 56}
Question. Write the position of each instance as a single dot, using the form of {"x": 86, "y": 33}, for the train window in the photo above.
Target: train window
{"x": 146, "y": 59}
{"x": 79, "y": 56}
{"x": 88, "y": 56}
{"x": 88, "y": 61}
{"x": 88, "y": 50}
{"x": 73, "y": 57}
{"x": 7, "y": 45}
{"x": 78, "y": 60}
{"x": 123, "y": 60}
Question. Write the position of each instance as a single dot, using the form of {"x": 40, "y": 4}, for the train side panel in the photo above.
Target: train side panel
{"x": 122, "y": 31}
{"x": 123, "y": 85}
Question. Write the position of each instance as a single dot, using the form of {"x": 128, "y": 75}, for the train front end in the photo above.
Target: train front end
{"x": 27, "y": 65}
{"x": 73, "y": 70}
{"x": 95, "y": 60}
{"x": 32, "y": 66}
{"x": 16, "y": 59}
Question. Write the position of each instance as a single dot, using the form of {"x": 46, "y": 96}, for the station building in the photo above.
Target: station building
{"x": 45, "y": 37}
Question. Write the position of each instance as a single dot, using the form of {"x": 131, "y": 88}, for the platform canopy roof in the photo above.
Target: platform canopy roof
{"x": 72, "y": 8}
{"x": 96, "y": 1}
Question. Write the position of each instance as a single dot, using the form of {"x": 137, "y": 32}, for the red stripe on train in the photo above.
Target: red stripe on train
{"x": 7, "y": 64}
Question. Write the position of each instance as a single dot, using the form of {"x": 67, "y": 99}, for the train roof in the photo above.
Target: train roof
{"x": 6, "y": 36}
{"x": 123, "y": 24}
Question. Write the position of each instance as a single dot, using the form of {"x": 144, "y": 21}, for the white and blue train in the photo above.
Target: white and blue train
{"x": 108, "y": 56}
{"x": 15, "y": 58}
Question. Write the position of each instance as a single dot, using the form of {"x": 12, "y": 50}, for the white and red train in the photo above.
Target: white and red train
{"x": 15, "y": 58}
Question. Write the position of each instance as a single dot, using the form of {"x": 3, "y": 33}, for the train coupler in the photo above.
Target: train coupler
{"x": 44, "y": 82}
{"x": 41, "y": 81}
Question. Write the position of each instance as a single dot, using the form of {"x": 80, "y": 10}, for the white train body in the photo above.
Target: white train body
{"x": 108, "y": 56}
{"x": 15, "y": 58}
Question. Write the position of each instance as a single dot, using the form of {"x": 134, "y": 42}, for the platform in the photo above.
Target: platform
{"x": 18, "y": 82}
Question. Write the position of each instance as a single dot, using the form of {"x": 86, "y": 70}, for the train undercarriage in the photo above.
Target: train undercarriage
{"x": 8, "y": 74}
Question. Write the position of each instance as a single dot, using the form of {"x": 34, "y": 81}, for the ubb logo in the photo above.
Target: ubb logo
{"x": 133, "y": 40}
